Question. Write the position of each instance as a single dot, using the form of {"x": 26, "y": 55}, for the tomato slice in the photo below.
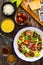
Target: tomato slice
{"x": 33, "y": 47}
{"x": 26, "y": 42}
{"x": 21, "y": 37}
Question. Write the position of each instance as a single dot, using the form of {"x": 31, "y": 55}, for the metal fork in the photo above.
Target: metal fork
{"x": 6, "y": 39}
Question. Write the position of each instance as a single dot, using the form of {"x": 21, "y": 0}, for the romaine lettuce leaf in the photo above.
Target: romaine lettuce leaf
{"x": 26, "y": 37}
{"x": 12, "y": 1}
{"x": 19, "y": 41}
{"x": 18, "y": 2}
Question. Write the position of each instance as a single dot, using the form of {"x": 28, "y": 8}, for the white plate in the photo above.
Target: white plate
{"x": 15, "y": 45}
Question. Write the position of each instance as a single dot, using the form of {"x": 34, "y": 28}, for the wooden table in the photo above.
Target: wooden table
{"x": 19, "y": 61}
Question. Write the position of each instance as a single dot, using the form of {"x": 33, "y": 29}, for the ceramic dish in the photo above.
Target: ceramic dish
{"x": 15, "y": 44}
{"x": 7, "y": 25}
{"x": 21, "y": 17}
{"x": 11, "y": 59}
{"x": 8, "y": 9}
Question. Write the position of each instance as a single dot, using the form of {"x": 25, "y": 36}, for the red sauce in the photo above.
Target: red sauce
{"x": 5, "y": 50}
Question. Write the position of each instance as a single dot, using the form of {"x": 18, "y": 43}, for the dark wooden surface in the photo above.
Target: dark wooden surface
{"x": 19, "y": 61}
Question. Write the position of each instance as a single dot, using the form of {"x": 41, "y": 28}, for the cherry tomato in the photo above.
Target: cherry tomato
{"x": 20, "y": 49}
{"x": 31, "y": 54}
{"x": 26, "y": 54}
{"x": 26, "y": 42}
{"x": 35, "y": 34}
{"x": 39, "y": 46}
{"x": 21, "y": 37}
{"x": 33, "y": 47}
{"x": 27, "y": 33}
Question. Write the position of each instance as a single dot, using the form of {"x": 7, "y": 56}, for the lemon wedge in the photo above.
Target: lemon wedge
{"x": 7, "y": 25}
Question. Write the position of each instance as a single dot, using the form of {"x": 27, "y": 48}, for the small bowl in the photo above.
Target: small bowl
{"x": 5, "y": 51}
{"x": 15, "y": 17}
{"x": 10, "y": 57}
{"x": 5, "y": 27}
{"x": 14, "y": 7}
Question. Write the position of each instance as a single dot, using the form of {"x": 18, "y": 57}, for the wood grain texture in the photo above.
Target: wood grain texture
{"x": 33, "y": 14}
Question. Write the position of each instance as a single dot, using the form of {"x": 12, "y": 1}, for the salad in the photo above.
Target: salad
{"x": 30, "y": 43}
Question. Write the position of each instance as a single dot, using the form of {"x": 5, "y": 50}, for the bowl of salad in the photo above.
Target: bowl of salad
{"x": 28, "y": 44}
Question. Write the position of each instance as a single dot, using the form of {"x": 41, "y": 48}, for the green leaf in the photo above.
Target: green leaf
{"x": 23, "y": 49}
{"x": 18, "y": 2}
{"x": 19, "y": 41}
{"x": 32, "y": 33}
{"x": 27, "y": 50}
{"x": 22, "y": 33}
{"x": 12, "y": 1}
{"x": 36, "y": 40}
{"x": 27, "y": 37}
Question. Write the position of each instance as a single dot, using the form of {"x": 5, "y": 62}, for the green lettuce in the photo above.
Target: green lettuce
{"x": 18, "y": 2}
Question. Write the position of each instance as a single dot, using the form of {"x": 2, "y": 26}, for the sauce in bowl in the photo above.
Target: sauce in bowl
{"x": 7, "y": 25}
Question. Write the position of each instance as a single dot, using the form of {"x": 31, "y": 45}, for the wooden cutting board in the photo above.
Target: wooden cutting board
{"x": 33, "y": 14}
